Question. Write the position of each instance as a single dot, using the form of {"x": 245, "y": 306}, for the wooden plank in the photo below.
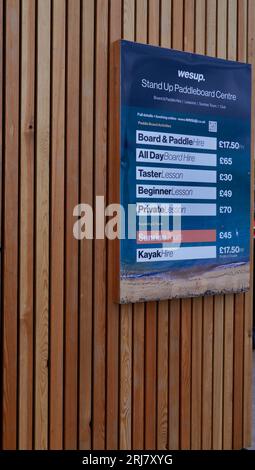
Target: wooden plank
{"x": 211, "y": 20}
{"x": 242, "y": 12}
{"x": 229, "y": 299}
{"x": 1, "y": 175}
{"x": 207, "y": 367}
{"x": 71, "y": 244}
{"x": 218, "y": 354}
{"x": 125, "y": 377}
{"x": 99, "y": 299}
{"x": 211, "y": 28}
{"x": 162, "y": 373}
{"x": 1, "y": 126}
{"x": 197, "y": 303}
{"x": 165, "y": 23}
{"x": 174, "y": 375}
{"x": 42, "y": 224}
{"x": 217, "y": 372}
{"x": 163, "y": 307}
{"x": 126, "y": 311}
{"x": 141, "y": 24}
{"x": 128, "y": 20}
{"x": 177, "y": 24}
{"x": 113, "y": 309}
{"x": 57, "y": 225}
{"x": 1, "y": 198}
{"x": 138, "y": 378}
{"x": 186, "y": 304}
{"x": 196, "y": 374}
{"x": 222, "y": 29}
{"x": 247, "y": 372}
{"x": 239, "y": 298}
{"x": 10, "y": 240}
{"x": 138, "y": 309}
{"x": 153, "y": 22}
{"x": 238, "y": 371}
{"x": 150, "y": 375}
{"x": 228, "y": 371}
{"x": 189, "y": 25}
{"x": 175, "y": 305}
{"x": 26, "y": 291}
{"x": 185, "y": 375}
{"x": 248, "y": 319}
{"x": 151, "y": 307}
{"x": 200, "y": 33}
{"x": 232, "y": 30}
{"x": 207, "y": 372}
{"x": 86, "y": 246}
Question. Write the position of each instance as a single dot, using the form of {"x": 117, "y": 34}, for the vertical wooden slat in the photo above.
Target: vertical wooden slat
{"x": 42, "y": 224}
{"x": 177, "y": 24}
{"x": 242, "y": 13}
{"x": 26, "y": 297}
{"x": 217, "y": 372}
{"x": 219, "y": 300}
{"x": 222, "y": 28}
{"x": 138, "y": 378}
{"x": 196, "y": 374}
{"x": 1, "y": 200}
{"x": 175, "y": 310}
{"x": 10, "y": 221}
{"x": 126, "y": 310}
{"x": 138, "y": 316}
{"x": 1, "y": 124}
{"x": 248, "y": 390}
{"x": 151, "y": 307}
{"x": 238, "y": 371}
{"x": 236, "y": 31}
{"x": 125, "y": 378}
{"x": 150, "y": 375}
{"x": 232, "y": 30}
{"x": 200, "y": 34}
{"x": 211, "y": 22}
{"x": 197, "y": 305}
{"x": 99, "y": 298}
{"x": 162, "y": 373}
{"x": 207, "y": 371}
{"x": 112, "y": 308}
{"x": 163, "y": 307}
{"x": 57, "y": 224}
{"x": 248, "y": 319}
{"x": 228, "y": 371}
{"x": 165, "y": 23}
{"x": 185, "y": 412}
{"x": 207, "y": 352}
{"x": 71, "y": 244}
{"x": 86, "y": 246}
{"x": 239, "y": 298}
{"x": 186, "y": 304}
{"x": 174, "y": 375}
{"x": 229, "y": 299}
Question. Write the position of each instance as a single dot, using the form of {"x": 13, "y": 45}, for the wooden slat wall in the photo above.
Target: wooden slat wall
{"x": 78, "y": 371}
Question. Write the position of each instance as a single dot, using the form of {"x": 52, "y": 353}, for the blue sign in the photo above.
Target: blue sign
{"x": 184, "y": 174}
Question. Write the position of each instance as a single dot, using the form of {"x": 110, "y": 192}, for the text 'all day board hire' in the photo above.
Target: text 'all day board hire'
{"x": 183, "y": 173}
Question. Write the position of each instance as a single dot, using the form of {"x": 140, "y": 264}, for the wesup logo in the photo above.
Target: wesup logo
{"x": 199, "y": 77}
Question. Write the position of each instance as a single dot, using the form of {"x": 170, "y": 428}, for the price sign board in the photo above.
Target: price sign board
{"x": 183, "y": 165}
